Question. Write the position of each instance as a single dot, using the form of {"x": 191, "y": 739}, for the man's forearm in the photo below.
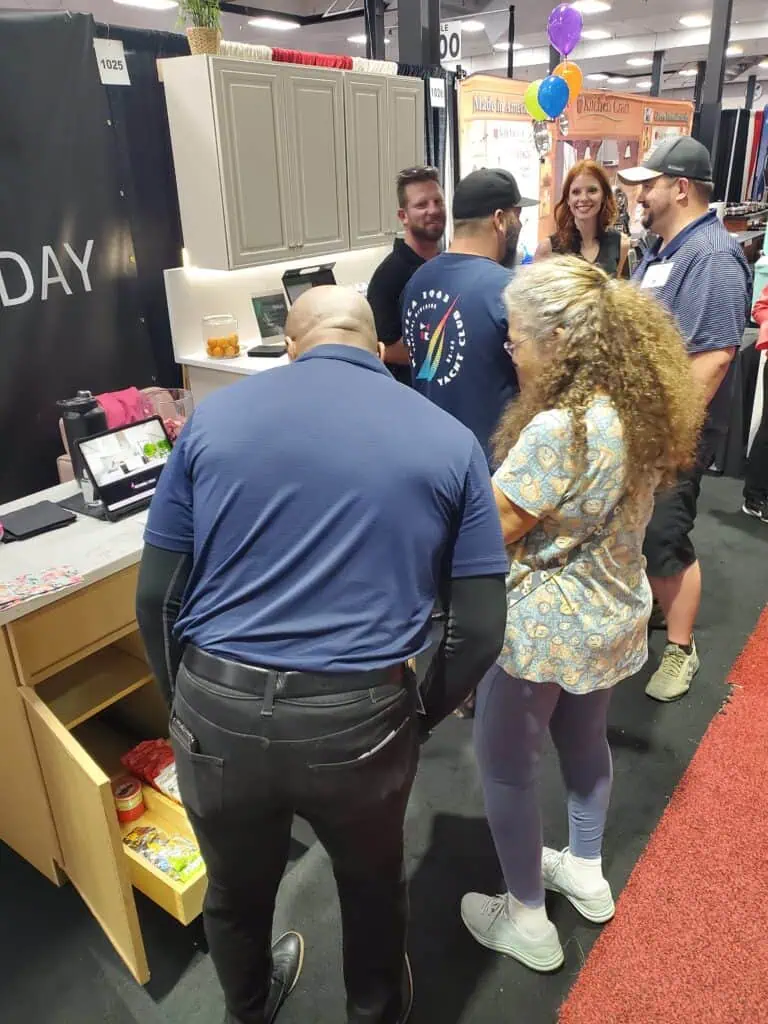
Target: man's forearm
{"x": 162, "y": 579}
{"x": 474, "y": 635}
{"x": 710, "y": 368}
{"x": 397, "y": 354}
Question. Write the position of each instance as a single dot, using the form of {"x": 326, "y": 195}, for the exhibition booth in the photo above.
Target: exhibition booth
{"x": 615, "y": 129}
{"x": 154, "y": 243}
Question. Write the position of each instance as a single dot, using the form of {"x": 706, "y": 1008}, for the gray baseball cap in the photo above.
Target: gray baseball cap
{"x": 678, "y": 157}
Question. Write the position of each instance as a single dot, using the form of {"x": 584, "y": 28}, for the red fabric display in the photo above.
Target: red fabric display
{"x": 316, "y": 60}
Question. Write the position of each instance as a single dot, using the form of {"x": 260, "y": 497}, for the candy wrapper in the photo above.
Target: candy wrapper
{"x": 176, "y": 856}
{"x": 153, "y": 761}
{"x": 34, "y": 584}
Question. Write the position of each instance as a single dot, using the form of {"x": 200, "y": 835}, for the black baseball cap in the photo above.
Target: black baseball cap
{"x": 677, "y": 157}
{"x": 483, "y": 192}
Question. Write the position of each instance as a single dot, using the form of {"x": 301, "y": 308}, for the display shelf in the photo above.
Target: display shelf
{"x": 106, "y": 744}
{"x": 83, "y": 690}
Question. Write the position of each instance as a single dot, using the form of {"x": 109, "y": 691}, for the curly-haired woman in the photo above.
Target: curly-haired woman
{"x": 585, "y": 216}
{"x": 607, "y": 413}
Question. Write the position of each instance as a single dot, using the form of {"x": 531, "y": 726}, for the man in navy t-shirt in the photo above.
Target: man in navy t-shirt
{"x": 454, "y": 322}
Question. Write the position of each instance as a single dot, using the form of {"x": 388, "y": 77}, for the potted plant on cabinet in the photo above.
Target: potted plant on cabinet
{"x": 203, "y": 20}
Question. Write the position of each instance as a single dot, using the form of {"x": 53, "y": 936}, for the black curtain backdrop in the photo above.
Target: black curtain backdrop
{"x": 437, "y": 119}
{"x": 723, "y": 156}
{"x": 140, "y": 123}
{"x": 70, "y": 315}
{"x": 740, "y": 157}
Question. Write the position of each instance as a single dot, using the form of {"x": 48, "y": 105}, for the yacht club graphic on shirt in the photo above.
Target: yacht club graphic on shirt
{"x": 454, "y": 326}
{"x": 435, "y": 319}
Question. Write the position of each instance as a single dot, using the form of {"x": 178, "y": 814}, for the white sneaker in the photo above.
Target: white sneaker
{"x": 596, "y": 904}
{"x": 490, "y": 920}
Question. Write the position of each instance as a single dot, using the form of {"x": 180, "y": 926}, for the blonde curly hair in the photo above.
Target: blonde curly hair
{"x": 604, "y": 337}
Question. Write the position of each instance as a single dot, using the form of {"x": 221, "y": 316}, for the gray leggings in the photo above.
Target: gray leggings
{"x": 511, "y": 717}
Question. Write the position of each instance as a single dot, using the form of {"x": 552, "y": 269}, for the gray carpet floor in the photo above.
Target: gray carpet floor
{"x": 57, "y": 967}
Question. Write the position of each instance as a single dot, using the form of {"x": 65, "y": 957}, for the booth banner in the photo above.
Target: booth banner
{"x": 496, "y": 131}
{"x": 614, "y": 129}
{"x": 69, "y": 316}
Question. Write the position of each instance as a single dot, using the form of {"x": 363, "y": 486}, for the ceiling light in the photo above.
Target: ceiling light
{"x": 361, "y": 40}
{"x": 617, "y": 80}
{"x": 640, "y": 62}
{"x": 598, "y": 76}
{"x": 504, "y": 47}
{"x": 150, "y": 5}
{"x": 278, "y": 24}
{"x": 591, "y": 6}
{"x": 645, "y": 84}
{"x": 763, "y": 64}
{"x": 595, "y": 34}
{"x": 472, "y": 26}
{"x": 734, "y": 51}
{"x": 688, "y": 72}
{"x": 695, "y": 21}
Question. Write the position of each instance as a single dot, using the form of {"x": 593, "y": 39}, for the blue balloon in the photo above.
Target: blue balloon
{"x": 554, "y": 95}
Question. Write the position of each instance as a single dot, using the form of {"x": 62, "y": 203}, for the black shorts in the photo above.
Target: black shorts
{"x": 668, "y": 546}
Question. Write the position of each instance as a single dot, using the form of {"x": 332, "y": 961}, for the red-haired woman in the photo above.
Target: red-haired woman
{"x": 585, "y": 216}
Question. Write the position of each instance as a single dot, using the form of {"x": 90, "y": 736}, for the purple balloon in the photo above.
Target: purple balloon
{"x": 564, "y": 28}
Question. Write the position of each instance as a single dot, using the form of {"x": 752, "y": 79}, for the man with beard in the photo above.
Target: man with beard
{"x": 700, "y": 274}
{"x": 454, "y": 322}
{"x": 421, "y": 209}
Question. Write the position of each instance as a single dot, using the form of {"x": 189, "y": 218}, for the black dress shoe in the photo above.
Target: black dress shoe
{"x": 287, "y": 961}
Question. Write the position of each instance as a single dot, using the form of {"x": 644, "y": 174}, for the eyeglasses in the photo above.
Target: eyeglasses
{"x": 411, "y": 174}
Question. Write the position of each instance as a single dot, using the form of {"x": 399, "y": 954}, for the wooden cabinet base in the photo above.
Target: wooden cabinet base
{"x": 73, "y": 700}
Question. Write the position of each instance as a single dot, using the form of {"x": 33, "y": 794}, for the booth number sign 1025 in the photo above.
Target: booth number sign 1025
{"x": 110, "y": 59}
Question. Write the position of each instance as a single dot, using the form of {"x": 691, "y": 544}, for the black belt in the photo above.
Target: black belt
{"x": 267, "y": 681}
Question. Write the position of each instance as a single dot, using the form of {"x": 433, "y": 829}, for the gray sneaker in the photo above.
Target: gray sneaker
{"x": 673, "y": 678}
{"x": 595, "y": 903}
{"x": 490, "y": 921}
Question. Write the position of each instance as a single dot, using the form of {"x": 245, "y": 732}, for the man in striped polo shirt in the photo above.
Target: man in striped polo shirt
{"x": 700, "y": 274}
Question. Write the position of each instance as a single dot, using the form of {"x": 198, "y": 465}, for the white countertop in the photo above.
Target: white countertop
{"x": 94, "y": 548}
{"x": 243, "y": 365}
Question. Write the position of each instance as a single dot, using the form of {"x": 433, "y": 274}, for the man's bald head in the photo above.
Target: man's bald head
{"x": 330, "y": 315}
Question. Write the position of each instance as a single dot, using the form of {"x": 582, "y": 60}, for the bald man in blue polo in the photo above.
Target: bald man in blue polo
{"x": 302, "y": 531}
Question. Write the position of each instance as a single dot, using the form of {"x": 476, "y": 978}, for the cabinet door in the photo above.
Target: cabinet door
{"x": 315, "y": 118}
{"x": 405, "y": 127}
{"x": 372, "y": 200}
{"x": 84, "y": 813}
{"x": 253, "y": 155}
{"x": 26, "y": 823}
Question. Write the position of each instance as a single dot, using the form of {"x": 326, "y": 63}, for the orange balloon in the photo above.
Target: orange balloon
{"x": 571, "y": 75}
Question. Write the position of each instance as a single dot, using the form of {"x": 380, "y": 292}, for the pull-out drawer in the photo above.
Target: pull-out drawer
{"x": 83, "y": 722}
{"x": 60, "y": 634}
{"x": 182, "y": 900}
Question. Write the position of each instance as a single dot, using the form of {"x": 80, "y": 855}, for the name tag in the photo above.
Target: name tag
{"x": 657, "y": 275}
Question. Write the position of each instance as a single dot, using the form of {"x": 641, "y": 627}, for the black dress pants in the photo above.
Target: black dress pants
{"x": 756, "y": 474}
{"x": 345, "y": 763}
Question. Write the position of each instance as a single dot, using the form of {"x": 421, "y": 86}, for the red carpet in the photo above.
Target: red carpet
{"x": 689, "y": 944}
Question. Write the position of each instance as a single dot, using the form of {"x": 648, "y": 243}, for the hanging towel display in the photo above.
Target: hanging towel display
{"x": 315, "y": 60}
{"x": 245, "y": 51}
{"x": 758, "y": 186}
{"x": 757, "y": 131}
{"x": 745, "y": 179}
{"x": 374, "y": 67}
